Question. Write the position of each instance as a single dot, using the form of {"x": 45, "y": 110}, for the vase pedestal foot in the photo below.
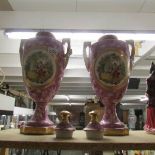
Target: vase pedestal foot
{"x": 116, "y": 131}
{"x": 149, "y": 129}
{"x": 37, "y": 130}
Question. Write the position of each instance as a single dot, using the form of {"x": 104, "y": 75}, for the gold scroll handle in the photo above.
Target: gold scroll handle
{"x": 69, "y": 50}
{"x": 86, "y": 55}
{"x": 132, "y": 55}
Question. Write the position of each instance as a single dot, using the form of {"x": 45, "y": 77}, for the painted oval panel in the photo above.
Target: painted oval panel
{"x": 110, "y": 68}
{"x": 39, "y": 67}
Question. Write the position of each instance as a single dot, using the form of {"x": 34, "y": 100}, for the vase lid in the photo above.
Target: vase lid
{"x": 64, "y": 121}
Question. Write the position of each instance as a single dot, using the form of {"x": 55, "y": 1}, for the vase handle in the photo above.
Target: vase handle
{"x": 85, "y": 56}
{"x": 21, "y": 49}
{"x": 132, "y": 55}
{"x": 69, "y": 50}
{"x": 3, "y": 75}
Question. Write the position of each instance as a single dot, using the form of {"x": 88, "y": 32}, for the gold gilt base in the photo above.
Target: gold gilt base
{"x": 116, "y": 131}
{"x": 29, "y": 130}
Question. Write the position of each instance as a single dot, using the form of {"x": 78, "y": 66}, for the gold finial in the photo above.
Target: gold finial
{"x": 138, "y": 45}
{"x": 93, "y": 116}
{"x": 65, "y": 116}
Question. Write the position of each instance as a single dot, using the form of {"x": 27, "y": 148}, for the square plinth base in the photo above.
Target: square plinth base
{"x": 29, "y": 130}
{"x": 116, "y": 131}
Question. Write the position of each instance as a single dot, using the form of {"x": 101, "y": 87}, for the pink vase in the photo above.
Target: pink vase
{"x": 109, "y": 63}
{"x": 149, "y": 126}
{"x": 43, "y": 61}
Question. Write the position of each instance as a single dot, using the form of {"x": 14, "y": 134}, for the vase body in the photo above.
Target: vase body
{"x": 43, "y": 61}
{"x": 109, "y": 63}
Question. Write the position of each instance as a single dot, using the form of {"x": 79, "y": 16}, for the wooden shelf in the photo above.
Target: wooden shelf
{"x": 11, "y": 138}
